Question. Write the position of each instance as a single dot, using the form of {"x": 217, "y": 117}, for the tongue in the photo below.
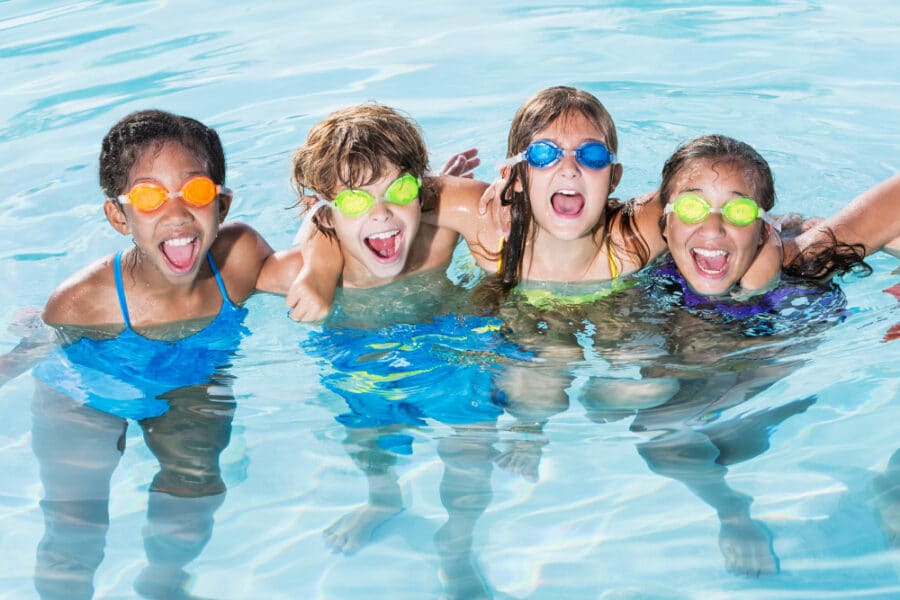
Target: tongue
{"x": 711, "y": 263}
{"x": 565, "y": 204}
{"x": 181, "y": 256}
{"x": 382, "y": 246}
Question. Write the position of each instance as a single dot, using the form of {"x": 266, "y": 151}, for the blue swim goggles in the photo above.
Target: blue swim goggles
{"x": 541, "y": 154}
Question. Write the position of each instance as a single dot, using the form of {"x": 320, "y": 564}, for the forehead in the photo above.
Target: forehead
{"x": 367, "y": 178}
{"x": 169, "y": 156}
{"x": 712, "y": 174}
{"x": 571, "y": 125}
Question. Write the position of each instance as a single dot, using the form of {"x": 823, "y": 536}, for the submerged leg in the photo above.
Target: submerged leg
{"x": 187, "y": 441}
{"x": 355, "y": 529}
{"x": 689, "y": 457}
{"x": 465, "y": 493}
{"x": 77, "y": 448}
{"x": 532, "y": 394}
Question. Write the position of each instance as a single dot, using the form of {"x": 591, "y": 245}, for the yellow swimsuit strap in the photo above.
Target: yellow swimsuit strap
{"x": 500, "y": 255}
{"x": 611, "y": 257}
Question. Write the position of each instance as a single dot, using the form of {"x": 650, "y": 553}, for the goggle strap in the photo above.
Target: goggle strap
{"x": 765, "y": 217}
{"x": 512, "y": 160}
{"x": 307, "y": 221}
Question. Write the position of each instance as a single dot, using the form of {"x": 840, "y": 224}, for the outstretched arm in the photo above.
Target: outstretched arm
{"x": 307, "y": 275}
{"x": 37, "y": 339}
{"x": 871, "y": 219}
{"x": 458, "y": 210}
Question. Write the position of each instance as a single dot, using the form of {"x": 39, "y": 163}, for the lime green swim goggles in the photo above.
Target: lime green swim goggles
{"x": 692, "y": 208}
{"x": 353, "y": 203}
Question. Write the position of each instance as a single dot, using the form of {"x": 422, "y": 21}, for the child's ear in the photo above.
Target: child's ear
{"x": 615, "y": 176}
{"x": 115, "y": 214}
{"x": 224, "y": 201}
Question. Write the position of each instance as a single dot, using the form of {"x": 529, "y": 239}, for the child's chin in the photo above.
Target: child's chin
{"x": 711, "y": 287}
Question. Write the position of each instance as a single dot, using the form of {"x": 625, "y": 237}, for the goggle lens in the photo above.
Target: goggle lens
{"x": 693, "y": 208}
{"x": 403, "y": 190}
{"x": 541, "y": 154}
{"x": 147, "y": 197}
{"x": 353, "y": 203}
{"x": 740, "y": 211}
{"x": 593, "y": 155}
{"x": 199, "y": 191}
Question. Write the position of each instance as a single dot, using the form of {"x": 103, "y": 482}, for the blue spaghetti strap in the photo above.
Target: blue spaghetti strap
{"x": 219, "y": 282}
{"x": 120, "y": 289}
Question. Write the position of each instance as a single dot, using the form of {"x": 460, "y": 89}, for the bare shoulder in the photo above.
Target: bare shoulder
{"x": 239, "y": 253}
{"x": 648, "y": 210}
{"x": 86, "y": 298}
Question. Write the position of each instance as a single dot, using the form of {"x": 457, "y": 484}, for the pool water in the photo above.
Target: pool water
{"x": 639, "y": 453}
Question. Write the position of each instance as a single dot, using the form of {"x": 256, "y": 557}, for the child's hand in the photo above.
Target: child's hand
{"x": 500, "y": 214}
{"x": 306, "y": 300}
{"x": 462, "y": 164}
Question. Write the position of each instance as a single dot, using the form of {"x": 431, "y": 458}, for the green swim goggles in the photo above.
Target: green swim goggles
{"x": 693, "y": 208}
{"x": 355, "y": 203}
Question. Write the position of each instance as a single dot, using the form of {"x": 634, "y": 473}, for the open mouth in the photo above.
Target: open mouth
{"x": 180, "y": 253}
{"x": 711, "y": 263}
{"x": 385, "y": 245}
{"x": 567, "y": 203}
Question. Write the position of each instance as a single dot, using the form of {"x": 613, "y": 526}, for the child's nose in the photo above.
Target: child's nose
{"x": 713, "y": 226}
{"x": 380, "y": 211}
{"x": 177, "y": 209}
{"x": 568, "y": 164}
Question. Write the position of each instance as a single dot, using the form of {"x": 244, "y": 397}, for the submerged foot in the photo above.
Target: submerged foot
{"x": 354, "y": 530}
{"x": 746, "y": 546}
{"x": 523, "y": 458}
{"x": 459, "y": 573}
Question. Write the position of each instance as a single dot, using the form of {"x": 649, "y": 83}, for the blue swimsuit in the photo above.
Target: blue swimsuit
{"x": 126, "y": 375}
{"x": 406, "y": 374}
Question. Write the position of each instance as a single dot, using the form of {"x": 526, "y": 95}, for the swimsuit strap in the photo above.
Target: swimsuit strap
{"x": 500, "y": 256}
{"x": 611, "y": 257}
{"x": 219, "y": 282}
{"x": 120, "y": 289}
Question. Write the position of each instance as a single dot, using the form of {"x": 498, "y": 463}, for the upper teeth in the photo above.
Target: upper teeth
{"x": 707, "y": 252}
{"x": 182, "y": 241}
{"x": 567, "y": 192}
{"x": 385, "y": 234}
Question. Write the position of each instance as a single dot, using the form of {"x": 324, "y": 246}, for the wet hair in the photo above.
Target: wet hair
{"x": 721, "y": 149}
{"x": 537, "y": 113}
{"x": 819, "y": 261}
{"x": 354, "y": 147}
{"x": 145, "y": 130}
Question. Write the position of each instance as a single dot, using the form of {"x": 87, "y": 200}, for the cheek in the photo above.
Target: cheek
{"x": 675, "y": 231}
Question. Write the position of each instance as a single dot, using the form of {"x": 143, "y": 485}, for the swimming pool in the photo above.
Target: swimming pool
{"x": 813, "y": 86}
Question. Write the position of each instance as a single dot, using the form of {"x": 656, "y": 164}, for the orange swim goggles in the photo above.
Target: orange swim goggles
{"x": 148, "y": 196}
